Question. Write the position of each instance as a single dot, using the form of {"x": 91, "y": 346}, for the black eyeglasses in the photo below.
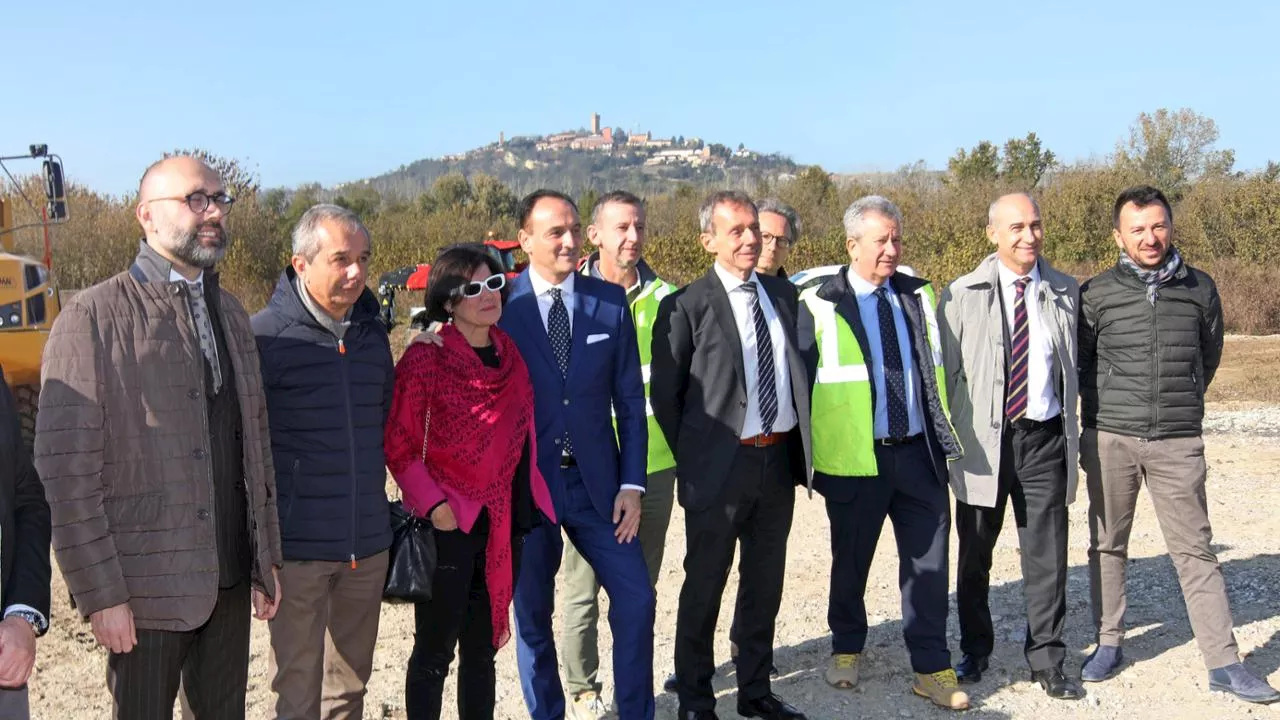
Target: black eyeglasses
{"x": 199, "y": 201}
{"x": 493, "y": 283}
{"x": 770, "y": 238}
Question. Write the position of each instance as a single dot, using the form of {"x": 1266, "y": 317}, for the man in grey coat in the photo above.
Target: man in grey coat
{"x": 1009, "y": 345}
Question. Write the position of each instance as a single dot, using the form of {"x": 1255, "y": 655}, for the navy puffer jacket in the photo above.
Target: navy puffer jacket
{"x": 327, "y": 404}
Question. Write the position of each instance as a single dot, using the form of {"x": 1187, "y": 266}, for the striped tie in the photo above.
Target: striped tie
{"x": 1015, "y": 405}
{"x": 764, "y": 361}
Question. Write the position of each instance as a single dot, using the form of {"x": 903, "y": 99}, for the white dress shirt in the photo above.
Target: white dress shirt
{"x": 175, "y": 276}
{"x": 740, "y": 302}
{"x": 542, "y": 293}
{"x": 869, "y": 310}
{"x": 1042, "y": 401}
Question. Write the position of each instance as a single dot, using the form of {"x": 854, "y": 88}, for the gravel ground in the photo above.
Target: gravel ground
{"x": 1164, "y": 680}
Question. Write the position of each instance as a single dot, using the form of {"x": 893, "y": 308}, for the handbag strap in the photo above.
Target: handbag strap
{"x": 426, "y": 428}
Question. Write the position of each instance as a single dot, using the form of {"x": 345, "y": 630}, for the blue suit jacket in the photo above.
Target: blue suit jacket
{"x": 603, "y": 380}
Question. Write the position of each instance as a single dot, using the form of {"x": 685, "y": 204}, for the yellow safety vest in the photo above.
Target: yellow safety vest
{"x": 644, "y": 311}
{"x": 843, "y": 420}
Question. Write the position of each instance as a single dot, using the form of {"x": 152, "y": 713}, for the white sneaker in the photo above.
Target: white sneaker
{"x": 590, "y": 706}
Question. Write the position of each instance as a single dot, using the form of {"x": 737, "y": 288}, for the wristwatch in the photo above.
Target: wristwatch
{"x": 38, "y": 624}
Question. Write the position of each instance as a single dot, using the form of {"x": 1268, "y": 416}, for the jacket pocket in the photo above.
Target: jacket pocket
{"x": 133, "y": 512}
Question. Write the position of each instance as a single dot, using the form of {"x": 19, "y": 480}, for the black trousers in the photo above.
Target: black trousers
{"x": 457, "y": 616}
{"x": 1033, "y": 473}
{"x": 754, "y": 507}
{"x": 909, "y": 492}
{"x": 211, "y": 664}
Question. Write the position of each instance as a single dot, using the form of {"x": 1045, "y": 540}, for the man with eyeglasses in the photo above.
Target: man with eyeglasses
{"x": 328, "y": 376}
{"x": 779, "y": 232}
{"x": 153, "y": 447}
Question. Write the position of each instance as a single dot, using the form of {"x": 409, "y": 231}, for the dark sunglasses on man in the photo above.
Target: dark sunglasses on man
{"x": 493, "y": 283}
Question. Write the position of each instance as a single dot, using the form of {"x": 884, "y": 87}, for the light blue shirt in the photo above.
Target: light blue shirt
{"x": 867, "y": 309}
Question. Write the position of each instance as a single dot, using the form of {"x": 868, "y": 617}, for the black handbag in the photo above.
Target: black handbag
{"x": 412, "y": 561}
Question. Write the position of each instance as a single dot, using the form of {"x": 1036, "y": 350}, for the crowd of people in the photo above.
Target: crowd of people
{"x": 194, "y": 465}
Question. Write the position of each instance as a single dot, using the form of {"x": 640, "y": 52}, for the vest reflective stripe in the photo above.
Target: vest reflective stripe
{"x": 644, "y": 311}
{"x": 842, "y": 419}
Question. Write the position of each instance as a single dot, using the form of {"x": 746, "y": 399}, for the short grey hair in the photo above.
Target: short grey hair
{"x": 991, "y": 209}
{"x": 858, "y": 211}
{"x": 776, "y": 206}
{"x": 723, "y": 197}
{"x": 306, "y": 234}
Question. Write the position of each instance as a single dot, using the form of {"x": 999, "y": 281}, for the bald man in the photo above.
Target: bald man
{"x": 153, "y": 447}
{"x": 1009, "y": 346}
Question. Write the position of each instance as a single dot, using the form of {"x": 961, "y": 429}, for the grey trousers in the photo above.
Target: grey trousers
{"x": 1174, "y": 470}
{"x": 579, "y": 639}
{"x": 13, "y": 704}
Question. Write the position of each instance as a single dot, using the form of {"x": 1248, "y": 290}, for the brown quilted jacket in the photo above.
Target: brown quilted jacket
{"x": 122, "y": 446}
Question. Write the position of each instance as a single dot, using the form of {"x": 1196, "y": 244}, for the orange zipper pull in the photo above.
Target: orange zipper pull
{"x": 342, "y": 349}
{"x": 353, "y": 562}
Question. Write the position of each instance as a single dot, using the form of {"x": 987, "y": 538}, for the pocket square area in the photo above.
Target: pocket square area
{"x": 592, "y": 339}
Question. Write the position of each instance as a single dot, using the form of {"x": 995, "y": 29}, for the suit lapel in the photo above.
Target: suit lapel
{"x": 584, "y": 310}
{"x": 524, "y": 304}
{"x": 719, "y": 300}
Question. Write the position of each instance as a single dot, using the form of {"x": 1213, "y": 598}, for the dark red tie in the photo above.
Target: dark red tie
{"x": 1015, "y": 405}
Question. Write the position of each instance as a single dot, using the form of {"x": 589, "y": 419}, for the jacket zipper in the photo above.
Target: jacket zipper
{"x": 351, "y": 445}
{"x": 1155, "y": 366}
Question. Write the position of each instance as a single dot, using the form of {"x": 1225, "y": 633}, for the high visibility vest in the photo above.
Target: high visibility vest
{"x": 644, "y": 311}
{"x": 842, "y": 415}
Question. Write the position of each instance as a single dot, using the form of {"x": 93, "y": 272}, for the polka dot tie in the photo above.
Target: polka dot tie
{"x": 561, "y": 342}
{"x": 895, "y": 383}
{"x": 1015, "y": 405}
{"x": 204, "y": 328}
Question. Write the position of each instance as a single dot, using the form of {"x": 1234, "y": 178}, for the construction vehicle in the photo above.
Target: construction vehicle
{"x": 414, "y": 278}
{"x": 29, "y": 300}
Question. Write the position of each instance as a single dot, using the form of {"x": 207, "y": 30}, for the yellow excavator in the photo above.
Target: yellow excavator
{"x": 28, "y": 295}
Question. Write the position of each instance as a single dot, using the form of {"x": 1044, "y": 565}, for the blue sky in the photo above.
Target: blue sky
{"x": 336, "y": 91}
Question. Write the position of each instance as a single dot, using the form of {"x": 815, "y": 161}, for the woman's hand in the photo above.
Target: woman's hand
{"x": 442, "y": 518}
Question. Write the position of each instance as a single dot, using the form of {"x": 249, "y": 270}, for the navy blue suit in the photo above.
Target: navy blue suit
{"x": 603, "y": 380}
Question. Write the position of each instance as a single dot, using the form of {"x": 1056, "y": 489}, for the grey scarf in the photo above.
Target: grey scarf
{"x": 1157, "y": 277}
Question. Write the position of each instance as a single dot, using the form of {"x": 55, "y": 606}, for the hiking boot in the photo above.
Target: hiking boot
{"x": 941, "y": 688}
{"x": 842, "y": 670}
{"x": 590, "y": 706}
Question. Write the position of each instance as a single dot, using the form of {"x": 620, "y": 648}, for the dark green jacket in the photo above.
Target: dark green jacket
{"x": 1144, "y": 367}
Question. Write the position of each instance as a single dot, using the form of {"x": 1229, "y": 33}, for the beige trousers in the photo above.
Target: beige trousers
{"x": 579, "y": 638}
{"x": 1174, "y": 470}
{"x": 323, "y": 635}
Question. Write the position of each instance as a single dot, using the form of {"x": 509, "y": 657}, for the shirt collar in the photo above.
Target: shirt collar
{"x": 175, "y": 276}
{"x": 732, "y": 282}
{"x": 862, "y": 288}
{"x": 1009, "y": 277}
{"x": 541, "y": 286}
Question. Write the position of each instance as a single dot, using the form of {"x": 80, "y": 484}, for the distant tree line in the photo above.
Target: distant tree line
{"x": 1226, "y": 221}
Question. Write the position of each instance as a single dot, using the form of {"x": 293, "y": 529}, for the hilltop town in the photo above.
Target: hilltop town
{"x": 596, "y": 156}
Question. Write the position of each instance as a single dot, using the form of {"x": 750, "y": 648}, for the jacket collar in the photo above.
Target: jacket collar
{"x": 150, "y": 267}
{"x": 987, "y": 275}
{"x": 287, "y": 303}
{"x": 590, "y": 267}
{"x": 838, "y": 285}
